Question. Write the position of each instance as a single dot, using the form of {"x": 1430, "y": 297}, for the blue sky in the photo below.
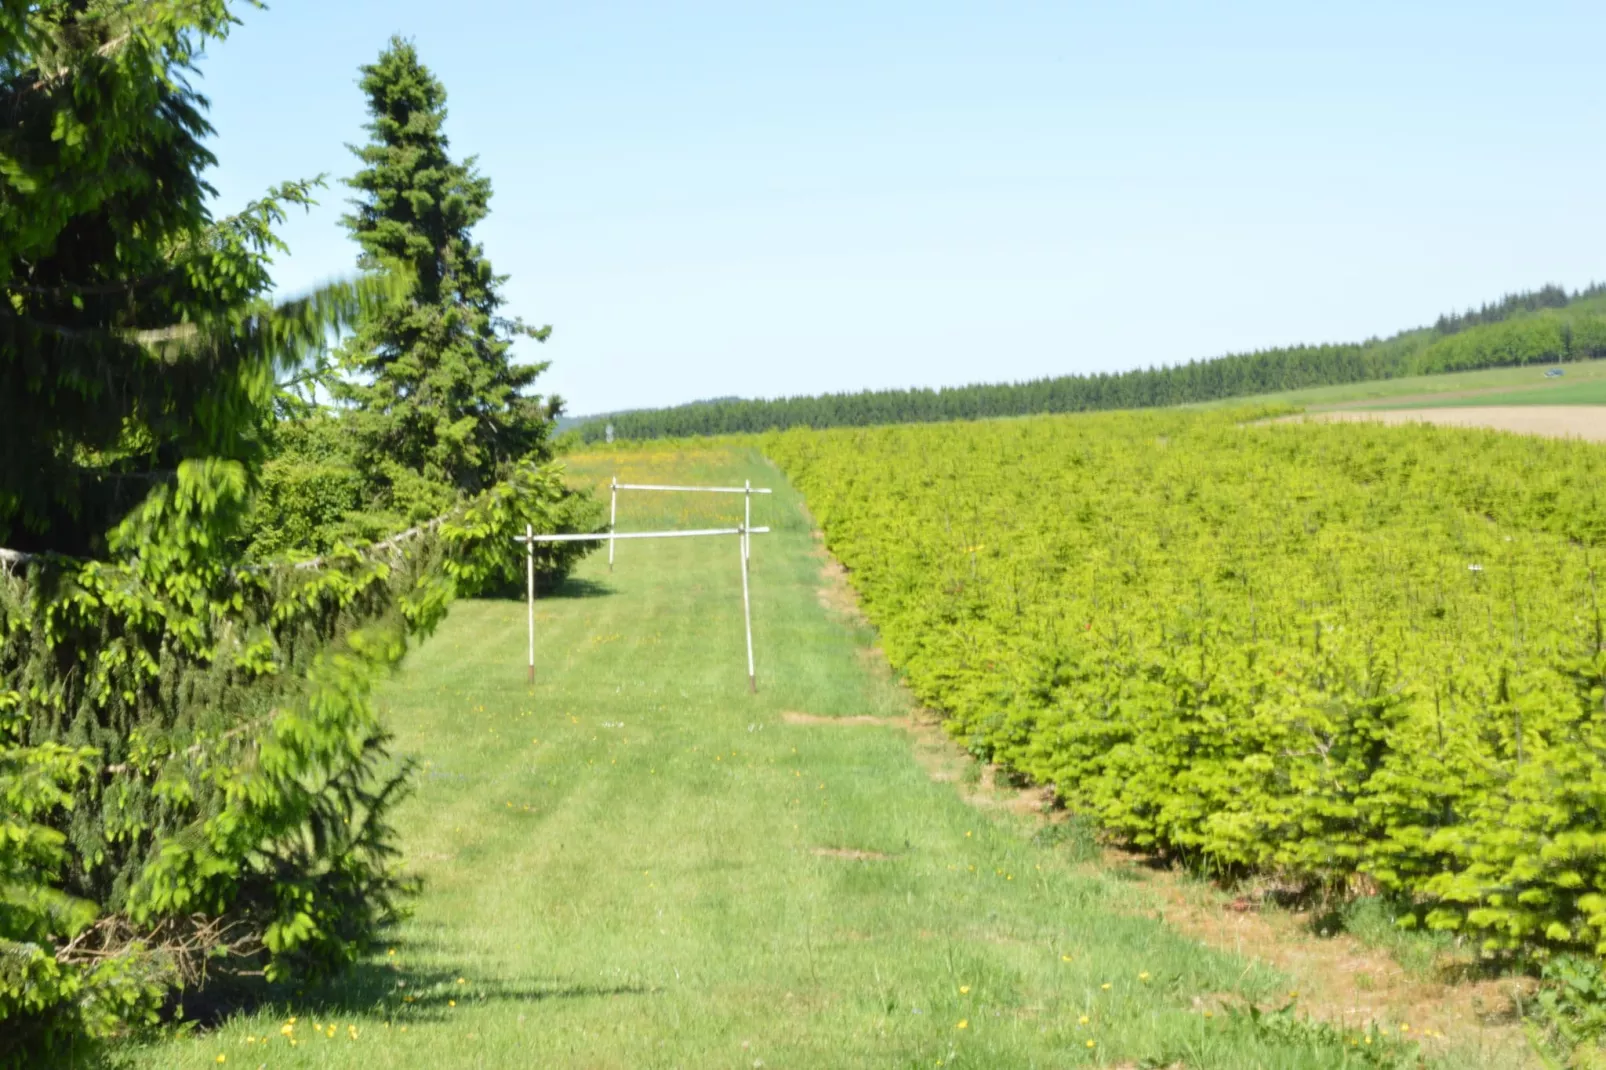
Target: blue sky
{"x": 761, "y": 199}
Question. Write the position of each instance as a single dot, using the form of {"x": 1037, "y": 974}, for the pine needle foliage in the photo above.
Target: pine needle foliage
{"x": 1346, "y": 658}
{"x": 134, "y": 329}
{"x": 193, "y": 782}
{"x": 438, "y": 408}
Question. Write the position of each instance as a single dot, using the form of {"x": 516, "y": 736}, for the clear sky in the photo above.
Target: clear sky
{"x": 764, "y": 199}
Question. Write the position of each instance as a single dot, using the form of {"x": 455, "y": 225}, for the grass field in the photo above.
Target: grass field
{"x": 1496, "y": 386}
{"x": 1566, "y": 391}
{"x": 635, "y": 863}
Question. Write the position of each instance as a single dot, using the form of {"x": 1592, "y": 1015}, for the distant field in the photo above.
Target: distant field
{"x": 1553, "y": 392}
{"x": 1583, "y": 384}
{"x": 1586, "y": 422}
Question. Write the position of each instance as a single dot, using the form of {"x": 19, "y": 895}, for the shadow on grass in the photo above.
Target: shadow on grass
{"x": 569, "y": 587}
{"x": 577, "y": 587}
{"x": 377, "y": 990}
{"x": 370, "y": 992}
{"x": 381, "y": 989}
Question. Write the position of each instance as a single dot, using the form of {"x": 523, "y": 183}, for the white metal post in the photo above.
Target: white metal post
{"x": 530, "y": 538}
{"x": 747, "y": 617}
{"x": 613, "y": 516}
{"x": 529, "y": 585}
{"x": 747, "y": 520}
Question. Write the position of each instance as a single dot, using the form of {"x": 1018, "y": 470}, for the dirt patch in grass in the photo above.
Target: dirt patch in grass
{"x": 814, "y": 718}
{"x": 1586, "y": 422}
{"x": 850, "y": 854}
{"x": 835, "y": 594}
{"x": 1338, "y": 978}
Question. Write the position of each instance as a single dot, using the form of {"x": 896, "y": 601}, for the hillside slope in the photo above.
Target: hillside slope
{"x": 1543, "y": 326}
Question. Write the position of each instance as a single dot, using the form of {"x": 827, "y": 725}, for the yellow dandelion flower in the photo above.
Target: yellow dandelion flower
{"x": 391, "y": 952}
{"x": 1405, "y": 1027}
{"x": 1066, "y": 958}
{"x": 222, "y": 1058}
{"x": 1082, "y": 1020}
{"x": 964, "y": 990}
{"x": 1143, "y": 976}
{"x": 287, "y": 1030}
{"x": 462, "y": 981}
{"x": 964, "y": 1023}
{"x": 451, "y": 1003}
{"x": 1091, "y": 1043}
{"x": 1105, "y": 986}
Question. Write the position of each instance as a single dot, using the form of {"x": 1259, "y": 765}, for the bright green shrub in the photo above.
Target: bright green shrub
{"x": 1323, "y": 652}
{"x": 312, "y": 498}
{"x": 194, "y": 780}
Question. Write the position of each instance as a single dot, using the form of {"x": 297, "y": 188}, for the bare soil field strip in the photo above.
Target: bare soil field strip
{"x": 1586, "y": 422}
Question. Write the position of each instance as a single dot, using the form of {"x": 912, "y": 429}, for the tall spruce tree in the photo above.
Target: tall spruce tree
{"x": 438, "y": 408}
{"x": 134, "y": 329}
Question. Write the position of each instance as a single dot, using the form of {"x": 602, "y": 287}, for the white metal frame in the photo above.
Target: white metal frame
{"x": 747, "y": 490}
{"x": 530, "y": 538}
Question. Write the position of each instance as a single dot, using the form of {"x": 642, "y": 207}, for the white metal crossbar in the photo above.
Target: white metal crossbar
{"x": 747, "y": 490}
{"x": 530, "y": 538}
{"x": 611, "y": 535}
{"x": 704, "y": 490}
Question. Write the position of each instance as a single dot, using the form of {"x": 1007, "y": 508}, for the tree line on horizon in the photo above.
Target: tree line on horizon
{"x": 1548, "y": 325}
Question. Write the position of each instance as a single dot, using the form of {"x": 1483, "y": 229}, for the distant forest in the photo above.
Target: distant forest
{"x": 1547, "y": 325}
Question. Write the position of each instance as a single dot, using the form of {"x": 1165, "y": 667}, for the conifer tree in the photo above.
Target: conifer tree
{"x": 135, "y": 332}
{"x": 438, "y": 409}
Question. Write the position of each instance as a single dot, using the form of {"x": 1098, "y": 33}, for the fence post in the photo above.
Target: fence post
{"x": 529, "y": 584}
{"x": 613, "y": 516}
{"x": 747, "y": 519}
{"x": 747, "y": 616}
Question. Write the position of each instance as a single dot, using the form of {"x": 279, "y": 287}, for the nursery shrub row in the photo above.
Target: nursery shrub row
{"x": 1336, "y": 654}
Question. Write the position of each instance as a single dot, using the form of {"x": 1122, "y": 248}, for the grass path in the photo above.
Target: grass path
{"x": 635, "y": 863}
